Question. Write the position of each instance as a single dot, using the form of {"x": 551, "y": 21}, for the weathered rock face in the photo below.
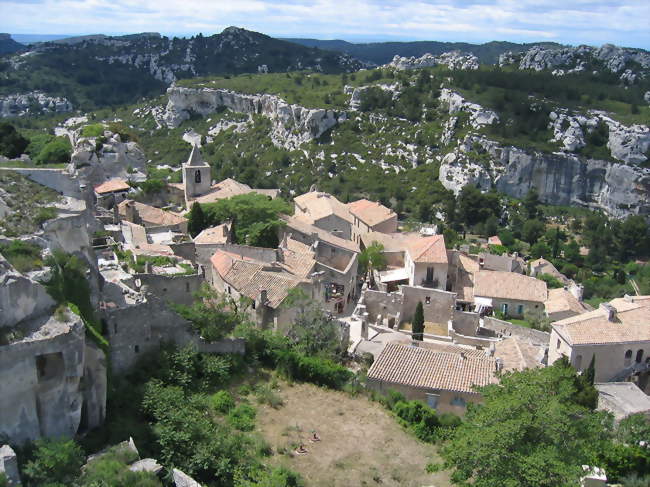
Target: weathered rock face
{"x": 627, "y": 62}
{"x": 9, "y": 465}
{"x": 20, "y": 296}
{"x": 94, "y": 161}
{"x": 33, "y": 103}
{"x": 629, "y": 144}
{"x": 40, "y": 379}
{"x": 453, "y": 60}
{"x": 356, "y": 94}
{"x": 478, "y": 115}
{"x": 562, "y": 179}
{"x": 293, "y": 125}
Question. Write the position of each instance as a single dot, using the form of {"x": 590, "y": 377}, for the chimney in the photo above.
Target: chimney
{"x": 610, "y": 310}
{"x": 462, "y": 355}
{"x": 577, "y": 290}
{"x": 498, "y": 363}
{"x": 263, "y": 296}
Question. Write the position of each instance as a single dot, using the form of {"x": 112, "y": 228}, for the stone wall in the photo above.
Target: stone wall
{"x": 492, "y": 327}
{"x": 465, "y": 323}
{"x": 173, "y": 288}
{"x": 438, "y": 305}
{"x": 57, "y": 179}
{"x": 40, "y": 381}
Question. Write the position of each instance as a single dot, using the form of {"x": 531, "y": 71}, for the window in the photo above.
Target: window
{"x": 429, "y": 274}
{"x": 520, "y": 309}
{"x": 228, "y": 289}
{"x": 432, "y": 400}
{"x": 558, "y": 344}
{"x": 639, "y": 356}
{"x": 254, "y": 304}
{"x": 628, "y": 358}
{"x": 504, "y": 308}
{"x": 197, "y": 176}
{"x": 187, "y": 287}
{"x": 137, "y": 349}
{"x": 427, "y": 300}
{"x": 579, "y": 362}
{"x": 458, "y": 401}
{"x": 115, "y": 328}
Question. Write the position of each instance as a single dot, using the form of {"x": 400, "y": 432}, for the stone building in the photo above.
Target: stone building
{"x": 370, "y": 216}
{"x": 617, "y": 334}
{"x": 150, "y": 217}
{"x": 324, "y": 211}
{"x": 511, "y": 293}
{"x": 111, "y": 193}
{"x": 442, "y": 376}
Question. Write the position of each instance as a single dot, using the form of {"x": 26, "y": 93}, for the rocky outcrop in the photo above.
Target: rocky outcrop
{"x": 629, "y": 144}
{"x": 181, "y": 479}
{"x": 293, "y": 125}
{"x": 9, "y": 465}
{"x": 34, "y": 103}
{"x": 478, "y": 115}
{"x": 97, "y": 159}
{"x": 356, "y": 94}
{"x": 629, "y": 63}
{"x": 453, "y": 60}
{"x": 561, "y": 179}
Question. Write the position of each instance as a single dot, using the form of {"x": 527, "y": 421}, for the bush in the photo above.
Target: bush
{"x": 222, "y": 401}
{"x": 266, "y": 395}
{"x": 242, "y": 417}
{"x": 12, "y": 144}
{"x": 93, "y": 130}
{"x": 322, "y": 372}
{"x": 57, "y": 151}
{"x": 54, "y": 461}
{"x": 45, "y": 214}
{"x": 23, "y": 256}
{"x": 551, "y": 281}
{"x": 424, "y": 422}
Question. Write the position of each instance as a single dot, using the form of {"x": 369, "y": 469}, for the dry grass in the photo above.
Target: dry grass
{"x": 361, "y": 444}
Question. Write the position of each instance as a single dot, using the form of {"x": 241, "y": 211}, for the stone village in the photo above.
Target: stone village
{"x": 53, "y": 379}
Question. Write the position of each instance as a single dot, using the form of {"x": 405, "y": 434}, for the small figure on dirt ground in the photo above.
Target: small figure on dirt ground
{"x": 314, "y": 437}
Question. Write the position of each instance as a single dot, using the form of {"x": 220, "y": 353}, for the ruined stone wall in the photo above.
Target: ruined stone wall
{"x": 40, "y": 375}
{"x": 465, "y": 323}
{"x": 381, "y": 303}
{"x": 493, "y": 327}
{"x": 176, "y": 289}
{"x": 57, "y": 179}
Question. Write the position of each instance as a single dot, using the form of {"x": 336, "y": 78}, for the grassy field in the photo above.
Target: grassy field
{"x": 361, "y": 444}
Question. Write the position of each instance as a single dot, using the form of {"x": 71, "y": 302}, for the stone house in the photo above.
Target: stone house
{"x": 617, "y": 334}
{"x": 565, "y": 302}
{"x": 310, "y": 234}
{"x": 324, "y": 211}
{"x": 426, "y": 262}
{"x": 152, "y": 218}
{"x": 508, "y": 292}
{"x": 543, "y": 266}
{"x": 112, "y": 192}
{"x": 267, "y": 285}
{"x": 504, "y": 263}
{"x": 442, "y": 376}
{"x": 370, "y": 216}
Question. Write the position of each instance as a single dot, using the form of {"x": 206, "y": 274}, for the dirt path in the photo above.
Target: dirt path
{"x": 361, "y": 444}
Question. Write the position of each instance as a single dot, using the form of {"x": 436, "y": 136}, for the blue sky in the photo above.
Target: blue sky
{"x": 594, "y": 22}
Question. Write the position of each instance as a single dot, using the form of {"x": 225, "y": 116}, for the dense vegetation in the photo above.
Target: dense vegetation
{"x": 22, "y": 255}
{"x": 255, "y": 218}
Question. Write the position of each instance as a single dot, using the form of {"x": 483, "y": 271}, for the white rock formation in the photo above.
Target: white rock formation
{"x": 456, "y": 171}
{"x": 356, "y": 94}
{"x": 95, "y": 160}
{"x": 9, "y": 465}
{"x": 293, "y": 125}
{"x": 183, "y": 480}
{"x": 453, "y": 60}
{"x": 36, "y": 102}
{"x": 646, "y": 97}
{"x": 479, "y": 116}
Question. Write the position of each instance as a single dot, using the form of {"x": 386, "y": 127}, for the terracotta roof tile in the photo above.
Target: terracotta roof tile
{"x": 229, "y": 188}
{"x": 561, "y": 300}
{"x": 300, "y": 226}
{"x": 111, "y": 186}
{"x": 218, "y": 234}
{"x": 370, "y": 212}
{"x": 429, "y": 250}
{"x": 630, "y": 324}
{"x": 150, "y": 214}
{"x": 509, "y": 285}
{"x": 316, "y": 205}
{"x": 430, "y": 369}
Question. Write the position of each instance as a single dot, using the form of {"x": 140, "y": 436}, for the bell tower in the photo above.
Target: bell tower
{"x": 196, "y": 175}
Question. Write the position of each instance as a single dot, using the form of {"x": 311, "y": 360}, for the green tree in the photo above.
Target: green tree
{"x": 56, "y": 151}
{"x": 54, "y": 463}
{"x": 372, "y": 258}
{"x": 417, "y": 326}
{"x": 532, "y": 231}
{"x": 196, "y": 220}
{"x": 540, "y": 249}
{"x": 633, "y": 238}
{"x": 572, "y": 252}
{"x": 491, "y": 226}
{"x": 314, "y": 332}
{"x": 531, "y": 204}
{"x": 528, "y": 432}
{"x": 12, "y": 144}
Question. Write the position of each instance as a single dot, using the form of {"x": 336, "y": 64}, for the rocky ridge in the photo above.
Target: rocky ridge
{"x": 33, "y": 103}
{"x": 453, "y": 60}
{"x": 628, "y": 63}
{"x": 293, "y": 125}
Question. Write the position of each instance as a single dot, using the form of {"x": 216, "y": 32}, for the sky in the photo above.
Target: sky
{"x": 593, "y": 22}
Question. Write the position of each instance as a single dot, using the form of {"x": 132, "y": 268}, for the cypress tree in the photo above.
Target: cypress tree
{"x": 197, "y": 220}
{"x": 417, "y": 327}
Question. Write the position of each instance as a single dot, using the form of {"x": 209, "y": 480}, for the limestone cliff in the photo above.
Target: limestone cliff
{"x": 293, "y": 125}
{"x": 34, "y": 103}
{"x": 453, "y": 60}
{"x": 560, "y": 178}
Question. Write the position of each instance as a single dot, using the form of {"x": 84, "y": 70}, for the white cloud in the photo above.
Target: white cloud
{"x": 571, "y": 21}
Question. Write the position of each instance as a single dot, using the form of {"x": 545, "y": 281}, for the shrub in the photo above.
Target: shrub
{"x": 222, "y": 401}
{"x": 242, "y": 417}
{"x": 57, "y": 151}
{"x": 12, "y": 144}
{"x": 93, "y": 130}
{"x": 266, "y": 395}
{"x": 54, "y": 461}
{"x": 322, "y": 372}
{"x": 424, "y": 422}
{"x": 551, "y": 281}
{"x": 45, "y": 214}
{"x": 23, "y": 256}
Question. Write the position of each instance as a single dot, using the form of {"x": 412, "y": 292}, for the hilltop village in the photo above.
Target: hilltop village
{"x": 435, "y": 322}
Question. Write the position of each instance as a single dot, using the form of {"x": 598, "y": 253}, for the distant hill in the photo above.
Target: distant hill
{"x": 98, "y": 70}
{"x": 8, "y": 45}
{"x": 383, "y": 52}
